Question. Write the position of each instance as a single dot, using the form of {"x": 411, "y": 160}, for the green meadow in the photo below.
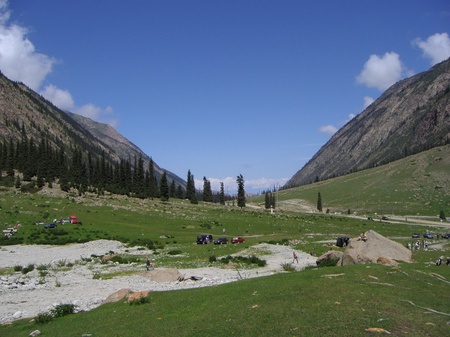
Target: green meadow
{"x": 418, "y": 185}
{"x": 409, "y": 300}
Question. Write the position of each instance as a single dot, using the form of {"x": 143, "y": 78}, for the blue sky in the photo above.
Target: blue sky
{"x": 221, "y": 88}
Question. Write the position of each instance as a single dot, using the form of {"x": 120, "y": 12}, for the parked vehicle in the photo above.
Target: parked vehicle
{"x": 446, "y": 236}
{"x": 415, "y": 236}
{"x": 428, "y": 236}
{"x": 73, "y": 219}
{"x": 221, "y": 241}
{"x": 51, "y": 225}
{"x": 384, "y": 217}
{"x": 237, "y": 239}
{"x": 204, "y": 239}
{"x": 343, "y": 241}
{"x": 369, "y": 218}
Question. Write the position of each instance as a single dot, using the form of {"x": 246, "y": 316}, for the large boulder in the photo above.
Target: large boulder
{"x": 330, "y": 255}
{"x": 118, "y": 295}
{"x": 127, "y": 293}
{"x": 377, "y": 249}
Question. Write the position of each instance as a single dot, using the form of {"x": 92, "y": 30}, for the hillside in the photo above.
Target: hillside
{"x": 24, "y": 113}
{"x": 416, "y": 185}
{"x": 121, "y": 145}
{"x": 409, "y": 117}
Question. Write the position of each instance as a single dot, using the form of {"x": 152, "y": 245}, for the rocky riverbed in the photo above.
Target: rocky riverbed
{"x": 67, "y": 275}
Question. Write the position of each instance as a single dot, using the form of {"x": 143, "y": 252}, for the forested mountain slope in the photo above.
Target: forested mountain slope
{"x": 24, "y": 114}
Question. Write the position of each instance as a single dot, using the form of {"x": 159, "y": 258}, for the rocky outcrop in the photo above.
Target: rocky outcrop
{"x": 377, "y": 249}
{"x": 409, "y": 117}
{"x": 127, "y": 293}
{"x": 330, "y": 255}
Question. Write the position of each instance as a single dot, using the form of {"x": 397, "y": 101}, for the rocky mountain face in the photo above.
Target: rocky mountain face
{"x": 23, "y": 112}
{"x": 411, "y": 116}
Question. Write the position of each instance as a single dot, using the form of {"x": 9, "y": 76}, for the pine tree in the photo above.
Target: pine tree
{"x": 153, "y": 186}
{"x": 10, "y": 160}
{"x": 180, "y": 193}
{"x": 194, "y": 199}
{"x": 190, "y": 186}
{"x": 207, "y": 192}
{"x": 164, "y": 187}
{"x": 139, "y": 178}
{"x": 241, "y": 191}
{"x": 267, "y": 201}
{"x": 172, "y": 189}
{"x": 222, "y": 194}
{"x": 319, "y": 202}
{"x": 273, "y": 200}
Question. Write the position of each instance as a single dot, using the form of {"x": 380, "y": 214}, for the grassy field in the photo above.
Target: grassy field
{"x": 416, "y": 185}
{"x": 409, "y": 300}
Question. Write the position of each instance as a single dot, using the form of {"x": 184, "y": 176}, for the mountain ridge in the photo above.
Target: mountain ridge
{"x": 25, "y": 113}
{"x": 410, "y": 116}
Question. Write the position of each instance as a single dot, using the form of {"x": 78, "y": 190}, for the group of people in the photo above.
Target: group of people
{"x": 416, "y": 245}
{"x": 362, "y": 237}
{"x": 440, "y": 259}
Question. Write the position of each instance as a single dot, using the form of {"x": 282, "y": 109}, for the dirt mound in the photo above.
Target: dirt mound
{"x": 377, "y": 248}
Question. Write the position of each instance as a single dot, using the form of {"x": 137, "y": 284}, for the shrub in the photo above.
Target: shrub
{"x": 244, "y": 259}
{"x": 225, "y": 260}
{"x": 62, "y": 310}
{"x": 18, "y": 268}
{"x": 61, "y": 263}
{"x": 28, "y": 268}
{"x": 174, "y": 252}
{"x": 287, "y": 266}
{"x": 212, "y": 258}
{"x": 122, "y": 259}
{"x": 284, "y": 242}
{"x": 42, "y": 267}
{"x": 43, "y": 318}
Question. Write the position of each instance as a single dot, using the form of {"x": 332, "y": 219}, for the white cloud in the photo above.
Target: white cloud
{"x": 59, "y": 97}
{"x": 4, "y": 12}
{"x": 328, "y": 129}
{"x": 250, "y": 186}
{"x": 368, "y": 101}
{"x": 19, "y": 61}
{"x": 381, "y": 72}
{"x": 97, "y": 113}
{"x": 436, "y": 47}
{"x": 63, "y": 100}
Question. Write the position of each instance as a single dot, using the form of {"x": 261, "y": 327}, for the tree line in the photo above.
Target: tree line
{"x": 39, "y": 164}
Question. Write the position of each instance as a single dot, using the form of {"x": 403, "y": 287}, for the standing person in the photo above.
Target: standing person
{"x": 148, "y": 264}
{"x": 294, "y": 255}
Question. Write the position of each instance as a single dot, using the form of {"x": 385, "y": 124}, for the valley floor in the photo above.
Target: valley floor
{"x": 70, "y": 280}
